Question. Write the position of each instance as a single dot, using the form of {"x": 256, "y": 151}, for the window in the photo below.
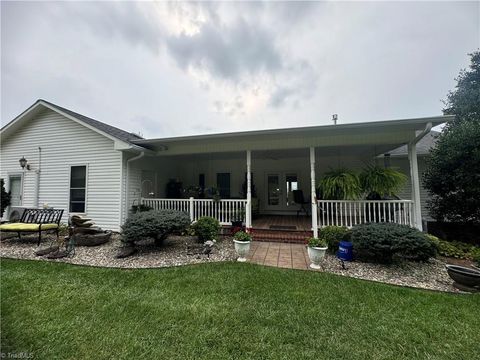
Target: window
{"x": 292, "y": 185}
{"x": 223, "y": 185}
{"x": 201, "y": 181}
{"x": 78, "y": 184}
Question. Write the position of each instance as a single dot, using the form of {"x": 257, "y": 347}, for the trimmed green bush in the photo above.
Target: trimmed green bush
{"x": 383, "y": 242}
{"x": 207, "y": 228}
{"x": 333, "y": 235}
{"x": 156, "y": 224}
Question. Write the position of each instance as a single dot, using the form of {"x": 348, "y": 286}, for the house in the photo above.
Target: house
{"x": 85, "y": 166}
{"x": 398, "y": 158}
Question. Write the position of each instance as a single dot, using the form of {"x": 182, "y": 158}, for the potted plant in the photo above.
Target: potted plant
{"x": 242, "y": 245}
{"x": 316, "y": 251}
{"x": 339, "y": 184}
{"x": 237, "y": 218}
{"x": 378, "y": 182}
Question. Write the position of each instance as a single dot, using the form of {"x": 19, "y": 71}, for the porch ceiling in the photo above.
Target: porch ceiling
{"x": 278, "y": 154}
{"x": 382, "y": 136}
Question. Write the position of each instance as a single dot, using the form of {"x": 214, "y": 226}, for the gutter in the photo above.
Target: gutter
{"x": 37, "y": 178}
{"x": 420, "y": 136}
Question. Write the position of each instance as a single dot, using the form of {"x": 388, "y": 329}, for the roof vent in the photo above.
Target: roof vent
{"x": 334, "y": 119}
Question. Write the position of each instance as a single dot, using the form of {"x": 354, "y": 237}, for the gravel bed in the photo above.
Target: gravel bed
{"x": 430, "y": 275}
{"x": 173, "y": 253}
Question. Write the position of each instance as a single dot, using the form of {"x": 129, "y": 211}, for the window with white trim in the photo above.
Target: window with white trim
{"x": 78, "y": 185}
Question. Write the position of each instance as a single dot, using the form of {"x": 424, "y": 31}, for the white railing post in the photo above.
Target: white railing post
{"x": 191, "y": 209}
{"x": 314, "y": 192}
{"x": 248, "y": 210}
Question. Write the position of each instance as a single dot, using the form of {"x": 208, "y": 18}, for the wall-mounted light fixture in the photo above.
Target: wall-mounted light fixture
{"x": 24, "y": 163}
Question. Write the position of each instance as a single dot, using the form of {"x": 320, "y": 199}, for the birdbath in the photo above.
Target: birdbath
{"x": 465, "y": 279}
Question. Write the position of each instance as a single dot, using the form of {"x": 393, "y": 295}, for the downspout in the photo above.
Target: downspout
{"x": 424, "y": 132}
{"x": 412, "y": 157}
{"x": 37, "y": 178}
{"x": 139, "y": 156}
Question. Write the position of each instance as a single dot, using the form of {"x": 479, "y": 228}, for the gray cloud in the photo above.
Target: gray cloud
{"x": 227, "y": 52}
{"x": 128, "y": 21}
{"x": 260, "y": 64}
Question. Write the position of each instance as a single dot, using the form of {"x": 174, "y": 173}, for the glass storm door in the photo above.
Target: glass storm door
{"x": 274, "y": 191}
{"x": 16, "y": 190}
{"x": 291, "y": 181}
{"x": 279, "y": 190}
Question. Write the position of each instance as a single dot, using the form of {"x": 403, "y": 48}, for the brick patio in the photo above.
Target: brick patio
{"x": 293, "y": 256}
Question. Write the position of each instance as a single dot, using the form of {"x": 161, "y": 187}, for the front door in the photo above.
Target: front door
{"x": 279, "y": 187}
{"x": 16, "y": 190}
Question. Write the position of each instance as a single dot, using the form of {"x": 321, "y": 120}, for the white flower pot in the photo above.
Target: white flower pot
{"x": 242, "y": 248}
{"x": 316, "y": 254}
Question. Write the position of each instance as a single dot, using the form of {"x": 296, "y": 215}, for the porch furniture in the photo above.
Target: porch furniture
{"x": 36, "y": 220}
{"x": 299, "y": 199}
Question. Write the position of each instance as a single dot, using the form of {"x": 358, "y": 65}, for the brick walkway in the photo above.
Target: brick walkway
{"x": 293, "y": 256}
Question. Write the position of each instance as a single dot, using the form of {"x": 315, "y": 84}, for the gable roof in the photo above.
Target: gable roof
{"x": 423, "y": 146}
{"x": 105, "y": 129}
{"x": 109, "y": 129}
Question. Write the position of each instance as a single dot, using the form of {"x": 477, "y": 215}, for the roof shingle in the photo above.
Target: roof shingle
{"x": 109, "y": 129}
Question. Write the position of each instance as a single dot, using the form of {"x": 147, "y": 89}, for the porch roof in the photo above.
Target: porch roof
{"x": 387, "y": 134}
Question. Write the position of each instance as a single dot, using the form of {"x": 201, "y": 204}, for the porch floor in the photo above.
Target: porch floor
{"x": 283, "y": 222}
{"x": 284, "y": 255}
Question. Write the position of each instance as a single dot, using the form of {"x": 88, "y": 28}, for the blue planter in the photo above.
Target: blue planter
{"x": 345, "y": 251}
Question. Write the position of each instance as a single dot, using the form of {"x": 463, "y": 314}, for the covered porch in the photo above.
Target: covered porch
{"x": 268, "y": 179}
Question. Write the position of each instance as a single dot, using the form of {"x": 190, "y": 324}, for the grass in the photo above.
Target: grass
{"x": 226, "y": 311}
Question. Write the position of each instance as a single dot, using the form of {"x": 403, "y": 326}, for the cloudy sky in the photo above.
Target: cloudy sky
{"x": 166, "y": 69}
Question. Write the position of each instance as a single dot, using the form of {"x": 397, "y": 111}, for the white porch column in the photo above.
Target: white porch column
{"x": 417, "y": 209}
{"x": 248, "y": 210}
{"x": 314, "y": 192}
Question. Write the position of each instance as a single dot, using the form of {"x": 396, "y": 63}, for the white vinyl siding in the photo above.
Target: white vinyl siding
{"x": 65, "y": 143}
{"x": 402, "y": 164}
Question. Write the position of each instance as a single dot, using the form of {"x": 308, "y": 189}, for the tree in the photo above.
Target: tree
{"x": 5, "y": 198}
{"x": 452, "y": 176}
{"x": 464, "y": 101}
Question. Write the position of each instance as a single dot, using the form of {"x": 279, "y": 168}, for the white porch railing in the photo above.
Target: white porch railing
{"x": 224, "y": 210}
{"x": 350, "y": 212}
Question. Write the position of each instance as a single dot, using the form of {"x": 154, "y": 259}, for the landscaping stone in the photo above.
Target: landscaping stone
{"x": 46, "y": 251}
{"x": 177, "y": 250}
{"x": 126, "y": 252}
{"x": 172, "y": 253}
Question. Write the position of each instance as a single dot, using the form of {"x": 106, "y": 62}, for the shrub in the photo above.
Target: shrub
{"x": 455, "y": 249}
{"x": 333, "y": 235}
{"x": 141, "y": 207}
{"x": 317, "y": 242}
{"x": 242, "y": 236}
{"x": 156, "y": 224}
{"x": 383, "y": 241}
{"x": 207, "y": 228}
{"x": 5, "y": 199}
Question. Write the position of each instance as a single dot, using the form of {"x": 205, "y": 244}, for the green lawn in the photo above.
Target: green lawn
{"x": 226, "y": 311}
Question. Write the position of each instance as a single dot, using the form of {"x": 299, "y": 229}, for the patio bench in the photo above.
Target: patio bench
{"x": 36, "y": 220}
